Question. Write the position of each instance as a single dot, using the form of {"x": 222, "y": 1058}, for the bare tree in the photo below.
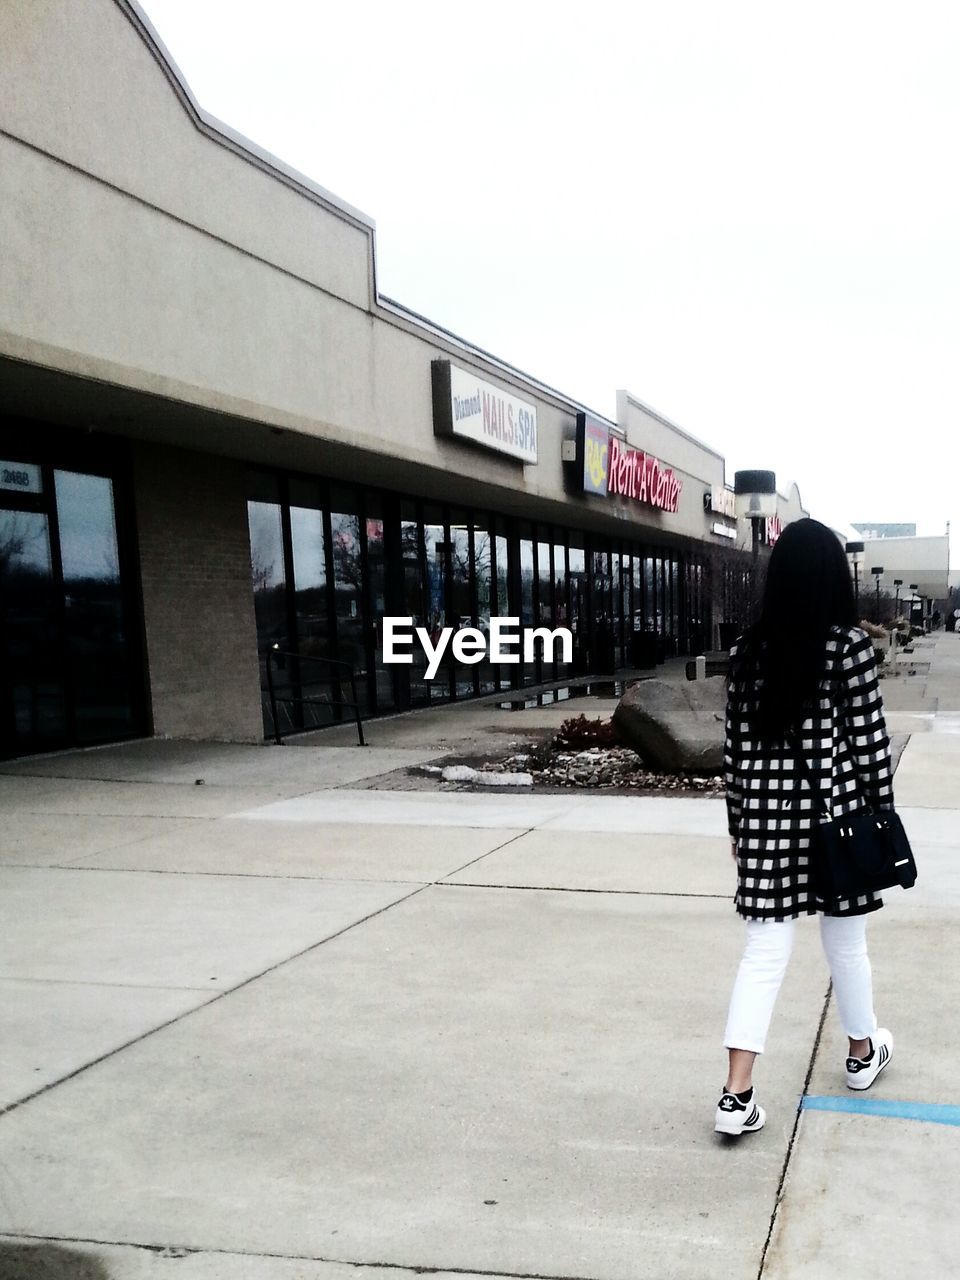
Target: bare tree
{"x": 18, "y": 538}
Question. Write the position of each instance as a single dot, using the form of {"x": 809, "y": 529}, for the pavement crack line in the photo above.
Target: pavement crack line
{"x": 486, "y": 854}
{"x": 221, "y": 995}
{"x": 217, "y": 875}
{"x": 93, "y": 982}
{"x": 188, "y": 1013}
{"x": 189, "y": 1250}
{"x": 778, "y": 1198}
{"x": 562, "y": 888}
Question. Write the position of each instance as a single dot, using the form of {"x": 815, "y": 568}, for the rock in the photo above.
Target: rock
{"x": 674, "y": 726}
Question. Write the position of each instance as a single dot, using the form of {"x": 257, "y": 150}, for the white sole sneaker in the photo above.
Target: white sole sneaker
{"x": 734, "y": 1117}
{"x": 861, "y": 1074}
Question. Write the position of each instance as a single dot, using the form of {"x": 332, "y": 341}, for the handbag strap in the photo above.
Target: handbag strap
{"x": 801, "y": 760}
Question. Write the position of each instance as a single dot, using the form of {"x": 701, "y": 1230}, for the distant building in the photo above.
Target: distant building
{"x": 886, "y": 530}
{"x": 924, "y": 562}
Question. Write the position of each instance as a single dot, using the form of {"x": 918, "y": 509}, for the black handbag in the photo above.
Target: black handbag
{"x": 857, "y": 854}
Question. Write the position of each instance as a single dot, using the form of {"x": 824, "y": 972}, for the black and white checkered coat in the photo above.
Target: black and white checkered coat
{"x": 769, "y": 802}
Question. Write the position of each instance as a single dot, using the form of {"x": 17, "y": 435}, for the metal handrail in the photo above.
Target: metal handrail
{"x": 274, "y": 651}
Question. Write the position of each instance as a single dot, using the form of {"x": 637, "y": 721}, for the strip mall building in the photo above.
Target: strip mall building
{"x": 217, "y": 436}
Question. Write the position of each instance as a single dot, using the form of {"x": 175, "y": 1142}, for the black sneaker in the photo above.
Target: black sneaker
{"x": 736, "y": 1117}
{"x": 861, "y": 1072}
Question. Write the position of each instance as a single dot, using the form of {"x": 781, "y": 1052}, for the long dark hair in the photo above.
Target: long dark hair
{"x": 808, "y": 590}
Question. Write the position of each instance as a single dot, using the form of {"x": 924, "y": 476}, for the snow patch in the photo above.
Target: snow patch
{"x": 485, "y": 777}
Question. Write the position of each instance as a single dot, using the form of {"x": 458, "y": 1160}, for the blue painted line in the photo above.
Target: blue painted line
{"x": 927, "y": 1112}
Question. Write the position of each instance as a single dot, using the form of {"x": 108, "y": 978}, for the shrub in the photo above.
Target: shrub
{"x": 578, "y": 731}
{"x": 875, "y": 632}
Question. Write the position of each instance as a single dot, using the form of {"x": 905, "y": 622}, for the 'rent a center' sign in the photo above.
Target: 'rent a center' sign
{"x": 608, "y": 465}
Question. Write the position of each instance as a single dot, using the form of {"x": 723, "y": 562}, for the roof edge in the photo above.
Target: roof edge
{"x": 222, "y": 133}
{"x": 640, "y": 404}
{"x": 471, "y": 349}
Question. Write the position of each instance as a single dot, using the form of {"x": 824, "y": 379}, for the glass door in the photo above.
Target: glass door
{"x": 95, "y": 629}
{"x": 67, "y": 670}
{"x": 31, "y": 643}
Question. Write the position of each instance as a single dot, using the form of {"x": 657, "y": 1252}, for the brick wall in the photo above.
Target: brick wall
{"x": 197, "y": 596}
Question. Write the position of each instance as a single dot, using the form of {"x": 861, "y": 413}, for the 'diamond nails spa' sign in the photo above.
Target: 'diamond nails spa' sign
{"x": 466, "y": 406}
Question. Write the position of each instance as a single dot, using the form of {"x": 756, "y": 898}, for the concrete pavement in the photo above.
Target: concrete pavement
{"x": 279, "y": 1027}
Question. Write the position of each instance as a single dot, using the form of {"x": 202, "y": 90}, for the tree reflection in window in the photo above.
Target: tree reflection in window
{"x": 348, "y": 588}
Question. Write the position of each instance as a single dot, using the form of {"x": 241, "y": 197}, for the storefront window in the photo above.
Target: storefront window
{"x": 96, "y": 641}
{"x": 267, "y": 569}
{"x": 602, "y": 656}
{"x": 69, "y": 669}
{"x": 636, "y": 623}
{"x": 617, "y": 605}
{"x": 545, "y": 573}
{"x": 29, "y": 635}
{"x": 345, "y": 542}
{"x": 503, "y": 576}
{"x": 312, "y": 618}
{"x": 578, "y": 596}
{"x": 561, "y": 601}
{"x": 461, "y": 591}
{"x": 675, "y": 602}
{"x": 435, "y": 551}
{"x": 355, "y": 556}
{"x": 663, "y": 599}
{"x": 505, "y": 676}
{"x": 377, "y": 589}
{"x": 486, "y": 594}
{"x": 310, "y": 581}
{"x": 528, "y": 574}
{"x": 414, "y": 600}
{"x": 650, "y": 601}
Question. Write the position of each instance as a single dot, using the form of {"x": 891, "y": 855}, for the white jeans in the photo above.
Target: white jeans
{"x": 765, "y": 958}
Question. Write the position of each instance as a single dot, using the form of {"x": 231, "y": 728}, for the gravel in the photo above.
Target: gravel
{"x": 599, "y": 768}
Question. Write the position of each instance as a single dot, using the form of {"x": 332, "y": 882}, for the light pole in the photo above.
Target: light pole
{"x": 855, "y": 555}
{"x": 755, "y": 499}
{"x": 878, "y": 574}
{"x": 914, "y": 587}
{"x": 898, "y": 583}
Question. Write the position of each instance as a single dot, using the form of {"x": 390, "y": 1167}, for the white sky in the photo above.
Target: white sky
{"x": 745, "y": 213}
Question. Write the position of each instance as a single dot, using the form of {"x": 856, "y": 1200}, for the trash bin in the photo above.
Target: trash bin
{"x": 643, "y": 650}
{"x": 728, "y": 634}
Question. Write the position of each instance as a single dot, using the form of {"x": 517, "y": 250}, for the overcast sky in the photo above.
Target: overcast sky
{"x": 745, "y": 213}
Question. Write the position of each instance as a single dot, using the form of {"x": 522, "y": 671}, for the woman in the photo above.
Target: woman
{"x": 802, "y": 679}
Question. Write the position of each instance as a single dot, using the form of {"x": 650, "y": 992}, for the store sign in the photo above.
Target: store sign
{"x": 21, "y": 477}
{"x": 721, "y": 501}
{"x": 606, "y": 465}
{"x": 469, "y": 408}
{"x": 642, "y": 477}
{"x": 593, "y": 454}
{"x": 725, "y": 531}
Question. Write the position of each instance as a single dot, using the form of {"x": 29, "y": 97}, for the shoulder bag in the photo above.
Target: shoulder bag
{"x": 857, "y": 854}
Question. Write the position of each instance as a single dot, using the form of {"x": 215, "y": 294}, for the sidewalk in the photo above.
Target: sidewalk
{"x": 276, "y": 1027}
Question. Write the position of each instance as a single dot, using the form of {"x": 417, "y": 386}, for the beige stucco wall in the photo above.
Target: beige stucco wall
{"x": 699, "y": 467}
{"x": 79, "y": 82}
